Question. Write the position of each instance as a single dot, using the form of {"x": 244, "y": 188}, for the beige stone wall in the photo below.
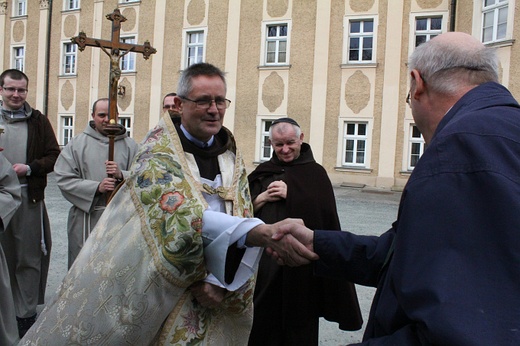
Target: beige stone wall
{"x": 374, "y": 93}
{"x": 247, "y": 77}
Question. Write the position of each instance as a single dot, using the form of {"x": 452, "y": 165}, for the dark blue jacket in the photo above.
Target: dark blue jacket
{"x": 448, "y": 271}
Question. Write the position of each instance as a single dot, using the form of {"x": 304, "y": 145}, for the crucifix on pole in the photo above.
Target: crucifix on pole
{"x": 115, "y": 50}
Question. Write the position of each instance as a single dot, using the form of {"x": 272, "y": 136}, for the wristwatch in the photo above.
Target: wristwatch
{"x": 28, "y": 171}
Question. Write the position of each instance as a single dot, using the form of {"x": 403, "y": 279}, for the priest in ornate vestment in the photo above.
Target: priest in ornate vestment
{"x": 181, "y": 218}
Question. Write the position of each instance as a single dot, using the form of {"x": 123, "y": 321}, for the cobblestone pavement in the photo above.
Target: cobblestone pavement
{"x": 362, "y": 211}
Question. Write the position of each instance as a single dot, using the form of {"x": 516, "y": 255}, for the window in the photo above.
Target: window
{"x": 276, "y": 44}
{"x": 19, "y": 58}
{"x": 494, "y": 20}
{"x": 266, "y": 151}
{"x": 20, "y": 8}
{"x": 415, "y": 146}
{"x": 67, "y": 129}
{"x": 128, "y": 60}
{"x": 69, "y": 59}
{"x": 361, "y": 40}
{"x": 71, "y": 4}
{"x": 127, "y": 123}
{"x": 194, "y": 47}
{"x": 355, "y": 143}
{"x": 427, "y": 28}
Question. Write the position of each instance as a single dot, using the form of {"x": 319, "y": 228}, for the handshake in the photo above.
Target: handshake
{"x": 288, "y": 241}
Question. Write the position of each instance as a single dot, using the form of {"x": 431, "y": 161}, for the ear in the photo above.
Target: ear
{"x": 420, "y": 86}
{"x": 301, "y": 137}
{"x": 178, "y": 102}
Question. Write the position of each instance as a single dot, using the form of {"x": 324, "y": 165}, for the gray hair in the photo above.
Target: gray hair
{"x": 184, "y": 86}
{"x": 446, "y": 67}
{"x": 281, "y": 127}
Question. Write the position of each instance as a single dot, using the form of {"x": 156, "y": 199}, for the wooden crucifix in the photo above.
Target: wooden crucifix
{"x": 115, "y": 50}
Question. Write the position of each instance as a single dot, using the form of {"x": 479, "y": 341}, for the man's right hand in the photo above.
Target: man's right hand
{"x": 107, "y": 184}
{"x": 290, "y": 232}
{"x": 281, "y": 243}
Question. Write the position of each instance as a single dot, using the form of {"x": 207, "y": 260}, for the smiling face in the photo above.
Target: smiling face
{"x": 286, "y": 143}
{"x": 13, "y": 100}
{"x": 203, "y": 123}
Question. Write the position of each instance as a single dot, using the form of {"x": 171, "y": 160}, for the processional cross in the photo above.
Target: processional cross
{"x": 115, "y": 50}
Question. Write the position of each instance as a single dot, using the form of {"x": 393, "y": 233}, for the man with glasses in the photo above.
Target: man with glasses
{"x": 447, "y": 272}
{"x": 171, "y": 259}
{"x": 30, "y": 145}
{"x": 169, "y": 105}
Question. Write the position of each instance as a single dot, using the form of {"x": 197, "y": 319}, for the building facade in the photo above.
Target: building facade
{"x": 336, "y": 66}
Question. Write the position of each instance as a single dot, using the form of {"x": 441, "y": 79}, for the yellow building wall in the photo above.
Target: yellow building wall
{"x": 316, "y": 87}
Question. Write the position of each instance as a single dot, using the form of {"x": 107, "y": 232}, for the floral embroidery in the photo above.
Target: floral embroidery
{"x": 170, "y": 207}
{"x": 174, "y": 216}
{"x": 197, "y": 225}
{"x": 171, "y": 201}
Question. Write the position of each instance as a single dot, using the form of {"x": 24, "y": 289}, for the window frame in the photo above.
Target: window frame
{"x": 69, "y": 56}
{"x": 264, "y": 141}
{"x": 277, "y": 40}
{"x": 495, "y": 9}
{"x": 262, "y": 137}
{"x": 20, "y": 8}
{"x": 347, "y": 20}
{"x": 123, "y": 119}
{"x": 66, "y": 130}
{"x": 188, "y": 46}
{"x": 356, "y": 138}
{"x": 128, "y": 61}
{"x": 75, "y": 5}
{"x": 411, "y": 142}
{"x": 16, "y": 58}
{"x": 428, "y": 32}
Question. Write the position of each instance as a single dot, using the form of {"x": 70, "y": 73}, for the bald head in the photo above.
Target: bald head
{"x": 453, "y": 61}
{"x": 460, "y": 40}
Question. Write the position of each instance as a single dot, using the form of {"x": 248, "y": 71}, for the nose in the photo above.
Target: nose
{"x": 213, "y": 107}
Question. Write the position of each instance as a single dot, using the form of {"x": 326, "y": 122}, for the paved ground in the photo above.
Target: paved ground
{"x": 363, "y": 211}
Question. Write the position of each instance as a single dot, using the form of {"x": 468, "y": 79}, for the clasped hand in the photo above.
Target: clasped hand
{"x": 291, "y": 243}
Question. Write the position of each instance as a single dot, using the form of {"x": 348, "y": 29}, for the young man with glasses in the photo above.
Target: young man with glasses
{"x": 30, "y": 145}
{"x": 171, "y": 259}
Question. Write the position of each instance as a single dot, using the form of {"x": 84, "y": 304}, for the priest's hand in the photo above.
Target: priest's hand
{"x": 279, "y": 241}
{"x": 277, "y": 190}
{"x": 207, "y": 295}
{"x": 112, "y": 170}
{"x": 289, "y": 232}
{"x": 107, "y": 184}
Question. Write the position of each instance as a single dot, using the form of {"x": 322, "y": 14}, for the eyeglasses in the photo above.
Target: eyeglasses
{"x": 169, "y": 107}
{"x": 10, "y": 90}
{"x": 206, "y": 103}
